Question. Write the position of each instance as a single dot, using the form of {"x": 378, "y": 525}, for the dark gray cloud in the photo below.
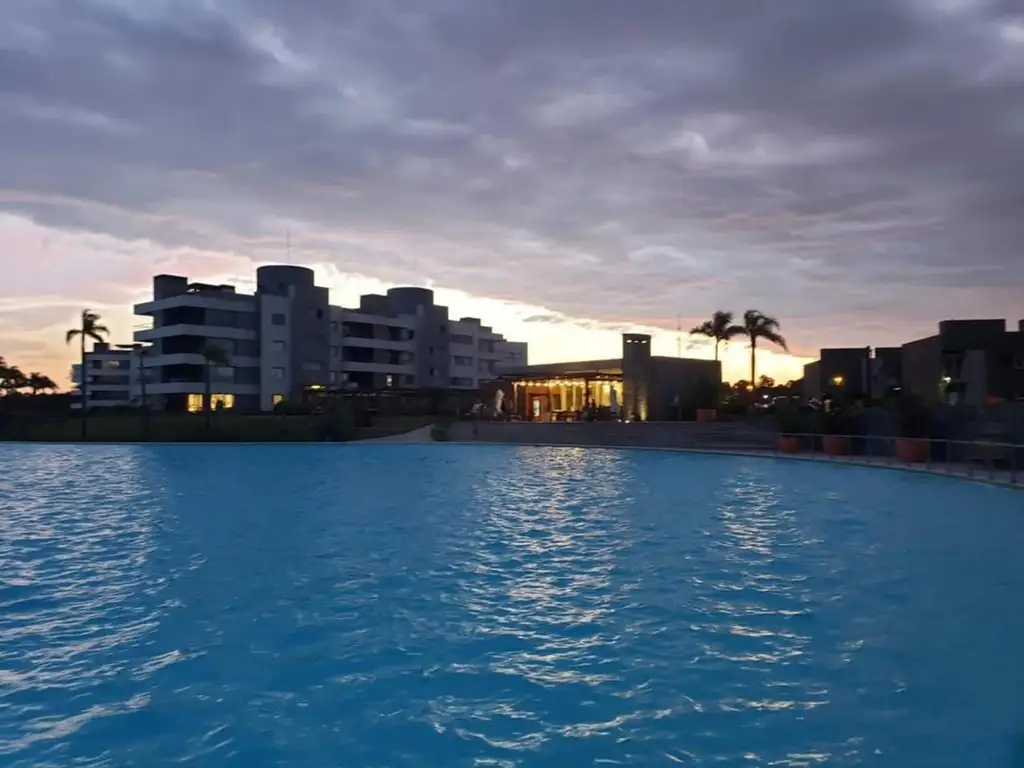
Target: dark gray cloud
{"x": 832, "y": 162}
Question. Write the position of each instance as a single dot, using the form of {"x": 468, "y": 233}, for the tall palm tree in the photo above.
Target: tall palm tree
{"x": 757, "y": 325}
{"x": 720, "y": 328}
{"x": 38, "y": 382}
{"x": 89, "y": 328}
{"x": 213, "y": 356}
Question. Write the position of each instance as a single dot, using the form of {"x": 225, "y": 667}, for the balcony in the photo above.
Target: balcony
{"x": 207, "y": 331}
{"x": 192, "y": 358}
{"x": 239, "y": 303}
{"x": 196, "y": 387}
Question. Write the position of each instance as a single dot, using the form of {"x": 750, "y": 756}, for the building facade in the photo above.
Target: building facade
{"x": 113, "y": 378}
{"x": 638, "y": 386}
{"x": 968, "y": 362}
{"x": 286, "y": 338}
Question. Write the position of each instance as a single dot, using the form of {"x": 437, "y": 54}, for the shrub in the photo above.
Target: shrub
{"x": 914, "y": 417}
{"x": 792, "y": 420}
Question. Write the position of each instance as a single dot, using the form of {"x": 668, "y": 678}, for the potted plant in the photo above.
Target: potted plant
{"x": 836, "y": 427}
{"x": 792, "y": 424}
{"x": 915, "y": 425}
{"x": 706, "y": 400}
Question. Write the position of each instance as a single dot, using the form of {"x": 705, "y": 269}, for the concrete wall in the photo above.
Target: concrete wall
{"x": 636, "y": 375}
{"x": 680, "y": 377}
{"x": 922, "y": 368}
{"x": 812, "y": 380}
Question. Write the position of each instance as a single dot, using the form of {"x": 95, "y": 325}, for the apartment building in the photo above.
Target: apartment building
{"x": 968, "y": 362}
{"x": 402, "y": 339}
{"x": 286, "y": 337}
{"x": 113, "y": 378}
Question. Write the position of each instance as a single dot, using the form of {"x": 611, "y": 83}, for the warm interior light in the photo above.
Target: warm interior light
{"x": 837, "y": 380}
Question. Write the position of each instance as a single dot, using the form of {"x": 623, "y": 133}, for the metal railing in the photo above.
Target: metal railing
{"x": 990, "y": 460}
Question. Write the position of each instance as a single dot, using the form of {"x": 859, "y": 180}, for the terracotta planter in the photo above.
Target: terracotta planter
{"x": 707, "y": 414}
{"x": 789, "y": 444}
{"x": 912, "y": 450}
{"x": 836, "y": 445}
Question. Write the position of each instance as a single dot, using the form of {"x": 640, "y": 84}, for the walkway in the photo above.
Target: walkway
{"x": 421, "y": 435}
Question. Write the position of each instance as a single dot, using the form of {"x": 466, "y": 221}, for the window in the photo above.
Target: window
{"x": 278, "y": 346}
{"x": 194, "y": 402}
{"x": 461, "y": 381}
{"x": 319, "y": 314}
{"x": 335, "y": 350}
{"x": 276, "y": 398}
{"x": 334, "y": 377}
{"x": 277, "y": 373}
{"x": 312, "y": 365}
{"x": 334, "y": 325}
{"x": 278, "y": 318}
{"x": 462, "y": 361}
{"x": 389, "y": 381}
{"x": 220, "y": 402}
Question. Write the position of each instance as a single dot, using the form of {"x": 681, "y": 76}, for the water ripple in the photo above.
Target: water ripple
{"x": 465, "y": 606}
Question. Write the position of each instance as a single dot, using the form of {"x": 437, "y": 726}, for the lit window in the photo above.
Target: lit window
{"x": 195, "y": 402}
{"x": 389, "y": 381}
{"x": 219, "y": 402}
{"x": 275, "y": 399}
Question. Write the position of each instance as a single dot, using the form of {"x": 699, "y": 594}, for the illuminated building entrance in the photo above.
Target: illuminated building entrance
{"x": 568, "y": 398}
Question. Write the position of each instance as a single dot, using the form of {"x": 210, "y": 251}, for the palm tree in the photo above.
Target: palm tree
{"x": 90, "y": 328}
{"x": 212, "y": 356}
{"x": 12, "y": 379}
{"x": 39, "y": 382}
{"x": 720, "y": 328}
{"x": 757, "y": 325}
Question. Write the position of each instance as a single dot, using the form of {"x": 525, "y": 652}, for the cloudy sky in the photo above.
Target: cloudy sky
{"x": 564, "y": 168}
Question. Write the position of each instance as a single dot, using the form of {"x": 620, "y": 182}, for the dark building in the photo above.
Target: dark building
{"x": 639, "y": 385}
{"x": 970, "y": 362}
{"x": 887, "y": 371}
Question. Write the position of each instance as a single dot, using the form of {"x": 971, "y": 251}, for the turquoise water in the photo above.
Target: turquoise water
{"x": 400, "y": 605}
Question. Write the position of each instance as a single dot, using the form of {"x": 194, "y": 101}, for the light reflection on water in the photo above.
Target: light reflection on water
{"x": 448, "y": 606}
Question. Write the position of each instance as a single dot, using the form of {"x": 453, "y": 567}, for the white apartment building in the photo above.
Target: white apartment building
{"x": 114, "y": 378}
{"x": 286, "y": 337}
